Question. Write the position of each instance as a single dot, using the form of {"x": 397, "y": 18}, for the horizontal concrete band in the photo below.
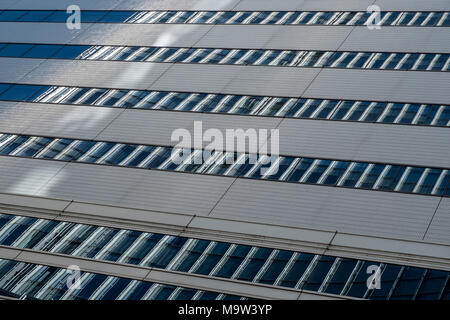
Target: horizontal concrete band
{"x": 352, "y": 84}
{"x": 344, "y": 140}
{"x": 254, "y": 5}
{"x": 389, "y": 250}
{"x": 200, "y": 282}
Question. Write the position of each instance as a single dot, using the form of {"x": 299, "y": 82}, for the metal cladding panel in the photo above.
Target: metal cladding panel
{"x": 156, "y": 127}
{"x": 345, "y": 210}
{"x": 25, "y": 176}
{"x": 171, "y": 35}
{"x": 11, "y": 117}
{"x": 308, "y": 37}
{"x": 411, "y": 5}
{"x": 110, "y": 74}
{"x": 239, "y": 36}
{"x": 61, "y": 120}
{"x": 398, "y": 39}
{"x": 267, "y": 5}
{"x": 414, "y": 145}
{"x": 381, "y": 85}
{"x": 271, "y": 81}
{"x": 439, "y": 229}
{"x": 13, "y": 69}
{"x": 176, "y": 5}
{"x": 134, "y": 188}
{"x": 196, "y": 78}
{"x": 275, "y": 37}
{"x": 38, "y": 32}
{"x": 332, "y": 5}
{"x": 63, "y": 4}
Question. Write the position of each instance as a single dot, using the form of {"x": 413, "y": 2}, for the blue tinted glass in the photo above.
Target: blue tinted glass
{"x": 139, "y": 290}
{"x": 432, "y": 285}
{"x": 335, "y": 173}
{"x": 33, "y": 148}
{"x": 192, "y": 255}
{"x": 163, "y": 293}
{"x": 319, "y": 168}
{"x": 113, "y": 291}
{"x": 39, "y": 232}
{"x": 140, "y": 251}
{"x": 357, "y": 111}
{"x": 300, "y": 170}
{"x": 168, "y": 250}
{"x": 55, "y": 148}
{"x": 21, "y": 92}
{"x": 427, "y": 114}
{"x": 4, "y": 87}
{"x": 375, "y": 111}
{"x": 254, "y": 264}
{"x": 77, "y": 150}
{"x": 340, "y": 277}
{"x": 92, "y": 16}
{"x": 14, "y": 50}
{"x": 390, "y": 178}
{"x": 13, "y": 144}
{"x": 57, "y": 16}
{"x": 443, "y": 118}
{"x": 342, "y": 109}
{"x": 358, "y": 285}
{"x": 117, "y": 16}
{"x": 388, "y": 279}
{"x": 411, "y": 179}
{"x": 296, "y": 271}
{"x": 276, "y": 267}
{"x": 120, "y": 154}
{"x": 35, "y": 16}
{"x": 372, "y": 176}
{"x": 185, "y": 294}
{"x": 88, "y": 288}
{"x": 355, "y": 172}
{"x": 42, "y": 51}
{"x": 139, "y": 156}
{"x": 233, "y": 261}
{"x": 212, "y": 258}
{"x": 70, "y": 52}
{"x": 408, "y": 284}
{"x": 16, "y": 230}
{"x": 11, "y": 15}
{"x": 318, "y": 274}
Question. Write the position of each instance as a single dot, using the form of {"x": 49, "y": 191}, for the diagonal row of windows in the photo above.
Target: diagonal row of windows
{"x": 33, "y": 281}
{"x": 263, "y": 57}
{"x": 330, "y": 109}
{"x": 320, "y": 273}
{"x": 337, "y": 173}
{"x": 331, "y": 18}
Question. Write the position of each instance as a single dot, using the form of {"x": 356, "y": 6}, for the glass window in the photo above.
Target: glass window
{"x": 11, "y": 15}
{"x": 340, "y": 276}
{"x": 233, "y": 261}
{"x": 14, "y": 50}
{"x": 43, "y": 51}
{"x": 116, "y": 16}
{"x": 254, "y": 263}
{"x": 296, "y": 269}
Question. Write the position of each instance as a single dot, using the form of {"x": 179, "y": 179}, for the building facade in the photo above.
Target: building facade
{"x": 344, "y": 196}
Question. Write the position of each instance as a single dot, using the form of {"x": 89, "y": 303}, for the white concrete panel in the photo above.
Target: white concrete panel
{"x": 64, "y": 121}
{"x": 332, "y": 5}
{"x": 13, "y": 69}
{"x": 439, "y": 230}
{"x": 37, "y": 32}
{"x": 345, "y": 210}
{"x": 11, "y": 117}
{"x": 63, "y": 4}
{"x": 136, "y": 188}
{"x": 196, "y": 78}
{"x": 156, "y": 127}
{"x": 110, "y": 74}
{"x": 176, "y": 5}
{"x": 26, "y": 176}
{"x": 271, "y": 81}
{"x": 164, "y": 35}
{"x": 275, "y": 37}
{"x": 413, "y": 145}
{"x": 398, "y": 39}
{"x": 411, "y": 5}
{"x": 308, "y": 37}
{"x": 382, "y": 85}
